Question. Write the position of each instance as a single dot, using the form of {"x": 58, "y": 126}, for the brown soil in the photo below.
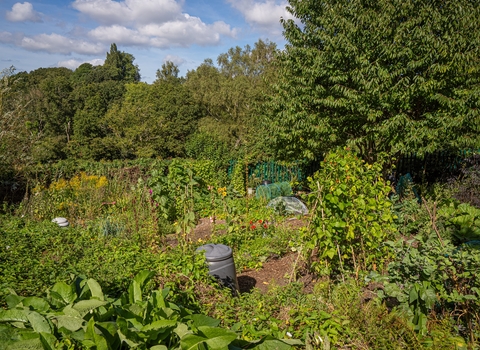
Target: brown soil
{"x": 274, "y": 272}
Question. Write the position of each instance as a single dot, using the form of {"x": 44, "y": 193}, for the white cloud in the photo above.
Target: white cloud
{"x": 6, "y": 37}
{"x": 175, "y": 59}
{"x": 265, "y": 14}
{"x": 118, "y": 34}
{"x": 141, "y": 23}
{"x": 54, "y": 43}
{"x": 74, "y": 63}
{"x": 110, "y": 12}
{"x": 23, "y": 12}
{"x": 157, "y": 23}
{"x": 184, "y": 31}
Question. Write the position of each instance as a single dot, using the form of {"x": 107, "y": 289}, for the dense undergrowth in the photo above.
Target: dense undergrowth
{"x": 392, "y": 270}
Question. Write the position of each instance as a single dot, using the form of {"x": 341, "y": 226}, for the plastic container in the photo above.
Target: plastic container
{"x": 62, "y": 222}
{"x": 221, "y": 265}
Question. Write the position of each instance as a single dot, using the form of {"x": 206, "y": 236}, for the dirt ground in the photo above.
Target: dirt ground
{"x": 275, "y": 272}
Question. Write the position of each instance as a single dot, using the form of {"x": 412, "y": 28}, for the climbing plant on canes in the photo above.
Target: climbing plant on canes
{"x": 351, "y": 215}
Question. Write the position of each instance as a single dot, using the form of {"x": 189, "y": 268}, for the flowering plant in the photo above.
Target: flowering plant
{"x": 258, "y": 226}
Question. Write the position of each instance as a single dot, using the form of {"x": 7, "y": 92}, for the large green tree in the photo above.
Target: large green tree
{"x": 50, "y": 111}
{"x": 92, "y": 101}
{"x": 153, "y": 120}
{"x": 96, "y": 90}
{"x": 47, "y": 111}
{"x": 16, "y": 141}
{"x": 379, "y": 75}
{"x": 120, "y": 66}
{"x": 231, "y": 95}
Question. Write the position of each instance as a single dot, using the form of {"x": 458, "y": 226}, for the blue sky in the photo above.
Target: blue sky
{"x": 68, "y": 33}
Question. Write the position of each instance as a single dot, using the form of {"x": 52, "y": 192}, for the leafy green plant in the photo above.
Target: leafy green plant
{"x": 427, "y": 278}
{"x": 174, "y": 195}
{"x": 238, "y": 177}
{"x": 421, "y": 299}
{"x": 80, "y": 314}
{"x": 35, "y": 255}
{"x": 80, "y": 197}
{"x": 351, "y": 215}
{"x": 460, "y": 220}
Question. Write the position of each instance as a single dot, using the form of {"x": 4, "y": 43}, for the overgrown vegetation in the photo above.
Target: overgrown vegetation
{"x": 410, "y": 280}
{"x": 374, "y": 265}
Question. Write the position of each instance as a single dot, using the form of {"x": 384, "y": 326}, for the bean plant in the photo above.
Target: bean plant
{"x": 351, "y": 215}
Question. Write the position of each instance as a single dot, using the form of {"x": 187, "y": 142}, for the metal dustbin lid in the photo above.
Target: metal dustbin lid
{"x": 216, "y": 252}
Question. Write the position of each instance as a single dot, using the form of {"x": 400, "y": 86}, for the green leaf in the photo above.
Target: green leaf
{"x": 70, "y": 311}
{"x": 13, "y": 315}
{"x": 269, "y": 343}
{"x": 13, "y": 300}
{"x": 36, "y": 303}
{"x": 330, "y": 253}
{"x": 85, "y": 306}
{"x": 156, "y": 325}
{"x": 158, "y": 299}
{"x": 203, "y": 320}
{"x": 110, "y": 332}
{"x": 48, "y": 341}
{"x": 71, "y": 323}
{"x": 413, "y": 295}
{"x": 39, "y": 323}
{"x": 181, "y": 330}
{"x": 95, "y": 289}
{"x": 94, "y": 339}
{"x": 66, "y": 293}
{"x": 215, "y": 338}
{"x": 135, "y": 289}
{"x": 27, "y": 344}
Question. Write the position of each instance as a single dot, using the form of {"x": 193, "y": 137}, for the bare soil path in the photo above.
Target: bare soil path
{"x": 274, "y": 272}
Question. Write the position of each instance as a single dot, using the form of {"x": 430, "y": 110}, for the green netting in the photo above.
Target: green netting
{"x": 271, "y": 191}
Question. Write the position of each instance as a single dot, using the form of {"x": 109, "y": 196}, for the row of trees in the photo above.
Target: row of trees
{"x": 105, "y": 112}
{"x": 390, "y": 76}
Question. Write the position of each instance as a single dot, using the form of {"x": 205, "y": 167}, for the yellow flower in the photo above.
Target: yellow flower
{"x": 101, "y": 182}
{"x": 222, "y": 191}
{"x": 58, "y": 185}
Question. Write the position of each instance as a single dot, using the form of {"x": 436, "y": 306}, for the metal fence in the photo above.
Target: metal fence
{"x": 422, "y": 168}
{"x": 436, "y": 165}
{"x": 273, "y": 171}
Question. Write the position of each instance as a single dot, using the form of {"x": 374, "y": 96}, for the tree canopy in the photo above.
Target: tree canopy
{"x": 383, "y": 75}
{"x": 232, "y": 95}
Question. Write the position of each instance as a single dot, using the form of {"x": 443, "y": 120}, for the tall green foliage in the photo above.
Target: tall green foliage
{"x": 387, "y": 75}
{"x": 38, "y": 109}
{"x": 351, "y": 215}
{"x": 231, "y": 94}
{"x": 79, "y": 315}
{"x": 13, "y": 134}
{"x": 120, "y": 65}
{"x": 92, "y": 101}
{"x": 153, "y": 120}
